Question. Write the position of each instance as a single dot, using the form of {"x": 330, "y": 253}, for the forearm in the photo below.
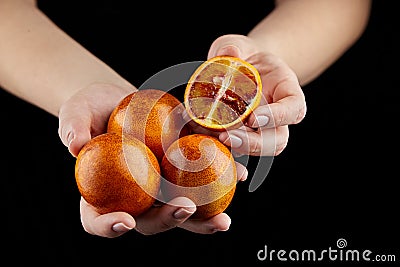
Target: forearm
{"x": 310, "y": 35}
{"x": 40, "y": 63}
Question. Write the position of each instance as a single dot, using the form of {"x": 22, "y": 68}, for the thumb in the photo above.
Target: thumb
{"x": 228, "y": 50}
{"x": 231, "y": 45}
{"x": 74, "y": 132}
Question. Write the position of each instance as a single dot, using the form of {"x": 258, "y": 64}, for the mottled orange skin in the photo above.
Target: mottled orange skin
{"x": 212, "y": 200}
{"x": 151, "y": 115}
{"x": 104, "y": 178}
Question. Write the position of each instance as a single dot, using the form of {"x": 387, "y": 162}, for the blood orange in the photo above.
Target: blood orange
{"x": 222, "y": 93}
{"x": 201, "y": 168}
{"x": 152, "y": 116}
{"x": 115, "y": 174}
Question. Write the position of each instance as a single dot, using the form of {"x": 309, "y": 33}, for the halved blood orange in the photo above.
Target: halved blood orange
{"x": 222, "y": 92}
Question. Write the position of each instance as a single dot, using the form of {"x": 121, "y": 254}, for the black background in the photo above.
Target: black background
{"x": 336, "y": 179}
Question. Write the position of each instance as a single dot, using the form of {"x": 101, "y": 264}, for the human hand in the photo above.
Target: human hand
{"x": 266, "y": 131}
{"x": 84, "y": 116}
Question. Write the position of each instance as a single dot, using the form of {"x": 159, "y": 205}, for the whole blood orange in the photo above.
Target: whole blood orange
{"x": 152, "y": 116}
{"x": 201, "y": 168}
{"x": 117, "y": 175}
{"x": 222, "y": 92}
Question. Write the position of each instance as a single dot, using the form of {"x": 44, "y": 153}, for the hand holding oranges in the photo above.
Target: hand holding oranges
{"x": 85, "y": 116}
{"x": 249, "y": 135}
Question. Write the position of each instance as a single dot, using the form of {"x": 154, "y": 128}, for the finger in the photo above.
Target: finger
{"x": 266, "y": 142}
{"x": 217, "y": 223}
{"x": 165, "y": 217}
{"x": 195, "y": 127}
{"x": 288, "y": 110}
{"x": 287, "y": 103}
{"x": 241, "y": 171}
{"x": 260, "y": 117}
{"x": 231, "y": 45}
{"x": 229, "y": 50}
{"x": 107, "y": 225}
{"x": 74, "y": 131}
{"x": 80, "y": 136}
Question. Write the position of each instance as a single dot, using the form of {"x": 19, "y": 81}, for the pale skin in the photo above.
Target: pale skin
{"x": 292, "y": 46}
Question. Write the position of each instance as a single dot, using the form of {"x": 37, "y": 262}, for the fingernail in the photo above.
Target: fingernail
{"x": 219, "y": 230}
{"x": 182, "y": 213}
{"x": 236, "y": 154}
{"x": 233, "y": 141}
{"x": 244, "y": 175}
{"x": 260, "y": 121}
{"x": 121, "y": 228}
{"x": 232, "y": 50}
{"x": 70, "y": 138}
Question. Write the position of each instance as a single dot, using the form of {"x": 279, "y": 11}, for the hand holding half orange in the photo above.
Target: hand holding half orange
{"x": 222, "y": 93}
